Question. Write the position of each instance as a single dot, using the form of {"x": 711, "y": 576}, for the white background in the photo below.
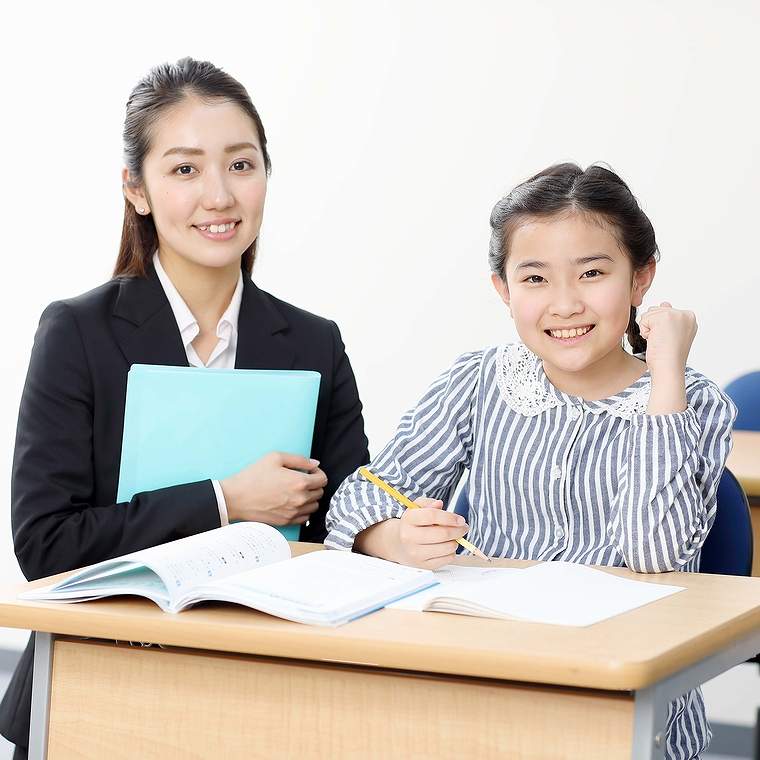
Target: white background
{"x": 393, "y": 129}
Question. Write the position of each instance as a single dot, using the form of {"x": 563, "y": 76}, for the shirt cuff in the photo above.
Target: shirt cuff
{"x": 220, "y": 502}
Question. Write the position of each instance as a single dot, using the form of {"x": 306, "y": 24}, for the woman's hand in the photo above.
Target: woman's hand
{"x": 278, "y": 489}
{"x": 424, "y": 537}
{"x": 669, "y": 334}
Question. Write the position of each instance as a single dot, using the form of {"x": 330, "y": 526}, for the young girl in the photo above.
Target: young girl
{"x": 577, "y": 449}
{"x": 195, "y": 182}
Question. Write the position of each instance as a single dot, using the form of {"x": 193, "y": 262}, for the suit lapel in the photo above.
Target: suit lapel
{"x": 263, "y": 341}
{"x": 144, "y": 324}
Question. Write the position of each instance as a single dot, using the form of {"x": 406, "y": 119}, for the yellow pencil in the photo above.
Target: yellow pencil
{"x": 409, "y": 504}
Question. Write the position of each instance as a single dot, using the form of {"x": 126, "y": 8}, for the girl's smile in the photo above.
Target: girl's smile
{"x": 569, "y": 336}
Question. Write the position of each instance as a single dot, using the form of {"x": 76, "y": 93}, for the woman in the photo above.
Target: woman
{"x": 195, "y": 182}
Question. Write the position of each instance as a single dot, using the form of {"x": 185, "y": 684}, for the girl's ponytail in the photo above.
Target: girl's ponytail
{"x": 633, "y": 333}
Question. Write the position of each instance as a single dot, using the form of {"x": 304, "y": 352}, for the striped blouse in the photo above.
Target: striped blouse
{"x": 557, "y": 477}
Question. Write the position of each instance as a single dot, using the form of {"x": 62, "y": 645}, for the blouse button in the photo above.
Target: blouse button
{"x": 560, "y": 532}
{"x": 556, "y": 471}
{"x": 574, "y": 413}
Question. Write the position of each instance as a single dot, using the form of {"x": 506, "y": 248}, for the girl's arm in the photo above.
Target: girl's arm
{"x": 667, "y": 497}
{"x": 431, "y": 449}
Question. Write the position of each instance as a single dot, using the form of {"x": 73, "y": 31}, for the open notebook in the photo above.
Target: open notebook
{"x": 559, "y": 593}
{"x": 250, "y": 564}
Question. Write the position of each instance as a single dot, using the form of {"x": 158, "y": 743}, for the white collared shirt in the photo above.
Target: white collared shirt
{"x": 223, "y": 355}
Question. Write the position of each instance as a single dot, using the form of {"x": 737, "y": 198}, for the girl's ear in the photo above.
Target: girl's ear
{"x": 502, "y": 289}
{"x": 642, "y": 279}
{"x": 135, "y": 194}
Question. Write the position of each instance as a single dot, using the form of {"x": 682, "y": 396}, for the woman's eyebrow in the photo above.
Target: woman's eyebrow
{"x": 240, "y": 146}
{"x": 183, "y": 151}
{"x": 199, "y": 152}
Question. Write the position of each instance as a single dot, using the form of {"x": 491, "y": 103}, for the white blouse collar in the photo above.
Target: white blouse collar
{"x": 524, "y": 386}
{"x": 226, "y": 328}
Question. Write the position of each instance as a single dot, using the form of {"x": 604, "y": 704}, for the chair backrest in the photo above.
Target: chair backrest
{"x": 728, "y": 547}
{"x": 745, "y": 393}
{"x": 462, "y": 506}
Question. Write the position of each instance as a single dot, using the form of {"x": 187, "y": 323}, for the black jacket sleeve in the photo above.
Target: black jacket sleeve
{"x": 56, "y": 523}
{"x": 343, "y": 446}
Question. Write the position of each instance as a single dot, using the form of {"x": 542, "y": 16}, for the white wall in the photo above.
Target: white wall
{"x": 393, "y": 129}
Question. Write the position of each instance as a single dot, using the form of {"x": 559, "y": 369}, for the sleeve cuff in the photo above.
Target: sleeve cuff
{"x": 221, "y": 503}
{"x": 343, "y": 533}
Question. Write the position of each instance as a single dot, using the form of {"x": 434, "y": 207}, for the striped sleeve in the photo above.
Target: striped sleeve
{"x": 431, "y": 448}
{"x": 667, "y": 498}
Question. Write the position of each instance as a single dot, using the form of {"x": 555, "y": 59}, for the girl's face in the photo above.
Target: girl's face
{"x": 204, "y": 182}
{"x": 570, "y": 289}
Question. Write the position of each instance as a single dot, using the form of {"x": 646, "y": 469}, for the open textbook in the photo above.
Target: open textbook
{"x": 560, "y": 593}
{"x": 250, "y": 564}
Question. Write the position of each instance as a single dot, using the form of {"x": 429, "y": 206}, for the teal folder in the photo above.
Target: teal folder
{"x": 184, "y": 424}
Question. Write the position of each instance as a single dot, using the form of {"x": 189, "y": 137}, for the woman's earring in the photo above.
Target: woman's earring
{"x": 141, "y": 210}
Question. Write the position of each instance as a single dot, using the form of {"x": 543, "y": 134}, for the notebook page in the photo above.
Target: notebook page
{"x": 559, "y": 593}
{"x": 190, "y": 561}
{"x": 446, "y": 576}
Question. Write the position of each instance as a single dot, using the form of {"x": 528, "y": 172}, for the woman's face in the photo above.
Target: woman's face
{"x": 204, "y": 182}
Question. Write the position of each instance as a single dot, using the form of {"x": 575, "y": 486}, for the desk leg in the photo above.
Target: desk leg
{"x": 651, "y": 704}
{"x": 41, "y": 679}
{"x": 649, "y": 717}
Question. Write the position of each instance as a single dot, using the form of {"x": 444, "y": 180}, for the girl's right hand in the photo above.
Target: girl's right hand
{"x": 424, "y": 537}
{"x": 278, "y": 489}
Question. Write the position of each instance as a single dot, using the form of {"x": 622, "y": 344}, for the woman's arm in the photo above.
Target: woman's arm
{"x": 667, "y": 497}
{"x": 343, "y": 446}
{"x": 56, "y": 524}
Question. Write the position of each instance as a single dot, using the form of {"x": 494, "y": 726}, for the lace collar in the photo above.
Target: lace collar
{"x": 524, "y": 386}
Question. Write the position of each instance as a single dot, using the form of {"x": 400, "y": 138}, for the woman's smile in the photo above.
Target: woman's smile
{"x": 221, "y": 230}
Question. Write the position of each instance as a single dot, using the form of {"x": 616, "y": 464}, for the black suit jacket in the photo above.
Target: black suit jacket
{"x": 68, "y": 441}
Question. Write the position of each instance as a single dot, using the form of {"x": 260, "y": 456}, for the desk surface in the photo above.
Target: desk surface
{"x": 744, "y": 460}
{"x": 627, "y": 652}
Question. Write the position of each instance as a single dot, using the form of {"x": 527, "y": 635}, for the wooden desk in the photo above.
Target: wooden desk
{"x": 394, "y": 683}
{"x": 744, "y": 462}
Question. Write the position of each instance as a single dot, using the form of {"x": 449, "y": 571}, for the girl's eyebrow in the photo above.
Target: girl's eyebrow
{"x": 594, "y": 257}
{"x": 199, "y": 152}
{"x": 530, "y": 265}
{"x": 576, "y": 262}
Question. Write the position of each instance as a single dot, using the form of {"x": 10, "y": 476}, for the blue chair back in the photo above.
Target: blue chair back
{"x": 462, "y": 506}
{"x": 728, "y": 547}
{"x": 745, "y": 393}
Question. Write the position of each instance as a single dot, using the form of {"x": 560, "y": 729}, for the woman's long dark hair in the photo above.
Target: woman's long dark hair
{"x": 163, "y": 87}
{"x": 565, "y": 188}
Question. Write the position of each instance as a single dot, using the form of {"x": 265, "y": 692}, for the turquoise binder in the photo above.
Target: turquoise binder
{"x": 184, "y": 424}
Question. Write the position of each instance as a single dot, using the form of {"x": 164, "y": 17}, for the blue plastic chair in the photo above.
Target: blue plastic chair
{"x": 745, "y": 393}
{"x": 728, "y": 547}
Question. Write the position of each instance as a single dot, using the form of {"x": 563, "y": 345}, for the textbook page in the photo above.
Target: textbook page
{"x": 166, "y": 572}
{"x": 215, "y": 554}
{"x": 558, "y": 593}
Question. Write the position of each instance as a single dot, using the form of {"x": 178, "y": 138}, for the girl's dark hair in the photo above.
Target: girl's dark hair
{"x": 564, "y": 188}
{"x": 163, "y": 87}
